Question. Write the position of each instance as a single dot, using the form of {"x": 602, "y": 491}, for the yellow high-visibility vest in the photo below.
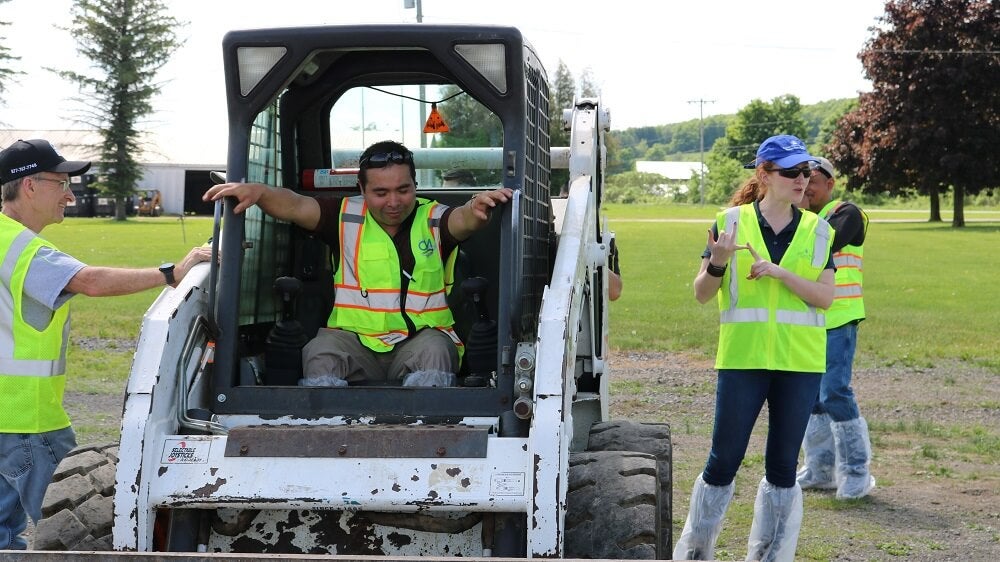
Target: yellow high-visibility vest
{"x": 763, "y": 324}
{"x": 32, "y": 361}
{"x": 848, "y": 300}
{"x": 368, "y": 299}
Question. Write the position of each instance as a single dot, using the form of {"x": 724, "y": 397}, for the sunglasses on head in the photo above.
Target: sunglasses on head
{"x": 383, "y": 159}
{"x": 792, "y": 173}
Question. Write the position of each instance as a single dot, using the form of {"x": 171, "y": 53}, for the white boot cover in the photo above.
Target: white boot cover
{"x": 429, "y": 378}
{"x": 777, "y": 518}
{"x": 818, "y": 447}
{"x": 854, "y": 455}
{"x": 704, "y": 521}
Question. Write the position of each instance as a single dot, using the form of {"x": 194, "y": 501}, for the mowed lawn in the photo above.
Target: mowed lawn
{"x": 929, "y": 293}
{"x": 929, "y": 288}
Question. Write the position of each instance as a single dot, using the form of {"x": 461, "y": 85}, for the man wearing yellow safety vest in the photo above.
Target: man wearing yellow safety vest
{"x": 37, "y": 282}
{"x": 393, "y": 255}
{"x": 837, "y": 447}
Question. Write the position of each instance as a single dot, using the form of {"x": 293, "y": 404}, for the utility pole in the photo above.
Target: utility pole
{"x": 701, "y": 150}
{"x": 418, "y": 4}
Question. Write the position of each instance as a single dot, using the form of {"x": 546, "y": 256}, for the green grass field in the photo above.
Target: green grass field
{"x": 928, "y": 295}
{"x": 928, "y": 287}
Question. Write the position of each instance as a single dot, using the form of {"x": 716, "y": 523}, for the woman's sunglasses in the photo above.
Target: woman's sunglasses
{"x": 792, "y": 173}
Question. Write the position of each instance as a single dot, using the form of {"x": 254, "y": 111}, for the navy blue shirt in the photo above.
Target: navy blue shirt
{"x": 777, "y": 242}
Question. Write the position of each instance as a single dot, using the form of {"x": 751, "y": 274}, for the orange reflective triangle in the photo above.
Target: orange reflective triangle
{"x": 435, "y": 123}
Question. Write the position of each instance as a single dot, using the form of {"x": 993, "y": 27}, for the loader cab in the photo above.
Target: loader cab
{"x": 471, "y": 102}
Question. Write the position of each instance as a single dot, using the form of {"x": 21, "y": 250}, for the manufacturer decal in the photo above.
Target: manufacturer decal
{"x": 185, "y": 451}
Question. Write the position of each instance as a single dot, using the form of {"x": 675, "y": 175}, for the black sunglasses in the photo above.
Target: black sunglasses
{"x": 792, "y": 173}
{"x": 383, "y": 159}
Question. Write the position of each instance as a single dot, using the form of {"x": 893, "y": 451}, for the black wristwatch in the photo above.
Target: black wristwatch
{"x": 716, "y": 270}
{"x": 167, "y": 270}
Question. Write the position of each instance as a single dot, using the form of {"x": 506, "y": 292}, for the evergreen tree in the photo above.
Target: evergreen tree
{"x": 562, "y": 94}
{"x": 127, "y": 42}
{"x": 7, "y": 73}
{"x": 588, "y": 84}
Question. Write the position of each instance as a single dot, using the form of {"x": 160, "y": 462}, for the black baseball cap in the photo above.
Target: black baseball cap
{"x": 27, "y": 157}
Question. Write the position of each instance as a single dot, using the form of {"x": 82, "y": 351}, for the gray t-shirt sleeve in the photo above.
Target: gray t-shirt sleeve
{"x": 47, "y": 276}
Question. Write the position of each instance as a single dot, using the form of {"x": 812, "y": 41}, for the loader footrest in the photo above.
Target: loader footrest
{"x": 426, "y": 441}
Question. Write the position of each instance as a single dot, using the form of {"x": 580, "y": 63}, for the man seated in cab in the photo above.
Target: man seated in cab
{"x": 393, "y": 255}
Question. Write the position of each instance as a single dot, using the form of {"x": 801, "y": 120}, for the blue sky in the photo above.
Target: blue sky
{"x": 651, "y": 58}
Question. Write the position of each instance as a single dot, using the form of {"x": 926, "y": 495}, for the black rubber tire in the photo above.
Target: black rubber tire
{"x": 611, "y": 506}
{"x": 77, "y": 512}
{"x": 652, "y": 439}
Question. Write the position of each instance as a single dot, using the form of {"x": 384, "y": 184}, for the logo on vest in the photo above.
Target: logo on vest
{"x": 426, "y": 247}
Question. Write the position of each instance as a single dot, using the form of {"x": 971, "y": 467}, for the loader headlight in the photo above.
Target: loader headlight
{"x": 254, "y": 64}
{"x": 489, "y": 59}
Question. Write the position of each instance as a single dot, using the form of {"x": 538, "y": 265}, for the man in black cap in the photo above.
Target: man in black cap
{"x": 36, "y": 283}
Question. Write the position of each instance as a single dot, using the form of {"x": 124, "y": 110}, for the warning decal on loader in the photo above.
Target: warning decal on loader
{"x": 185, "y": 451}
{"x": 507, "y": 484}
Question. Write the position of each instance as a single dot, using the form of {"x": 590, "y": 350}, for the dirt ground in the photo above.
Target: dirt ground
{"x": 936, "y": 498}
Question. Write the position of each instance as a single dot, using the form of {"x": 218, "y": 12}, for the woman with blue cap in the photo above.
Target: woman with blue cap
{"x": 770, "y": 264}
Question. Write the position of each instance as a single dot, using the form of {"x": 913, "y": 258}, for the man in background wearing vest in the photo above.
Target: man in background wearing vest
{"x": 37, "y": 282}
{"x": 837, "y": 448}
{"x": 393, "y": 255}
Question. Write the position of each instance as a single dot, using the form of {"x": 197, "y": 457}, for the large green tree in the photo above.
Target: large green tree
{"x": 127, "y": 42}
{"x": 472, "y": 124}
{"x": 753, "y": 123}
{"x": 759, "y": 120}
{"x": 933, "y": 117}
{"x": 7, "y": 72}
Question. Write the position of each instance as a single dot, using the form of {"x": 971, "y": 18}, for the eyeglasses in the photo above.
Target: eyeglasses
{"x": 64, "y": 184}
{"x": 383, "y": 159}
{"x": 792, "y": 173}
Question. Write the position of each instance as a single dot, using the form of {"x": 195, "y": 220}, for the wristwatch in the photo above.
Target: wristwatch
{"x": 167, "y": 270}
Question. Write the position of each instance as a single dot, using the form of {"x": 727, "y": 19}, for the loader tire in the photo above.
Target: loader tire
{"x": 77, "y": 511}
{"x": 612, "y": 506}
{"x": 652, "y": 439}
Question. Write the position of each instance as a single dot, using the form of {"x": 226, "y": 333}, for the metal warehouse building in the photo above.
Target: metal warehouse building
{"x": 180, "y": 183}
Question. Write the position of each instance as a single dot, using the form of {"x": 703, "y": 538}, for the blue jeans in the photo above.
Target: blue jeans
{"x": 27, "y": 461}
{"x": 836, "y": 397}
{"x": 739, "y": 397}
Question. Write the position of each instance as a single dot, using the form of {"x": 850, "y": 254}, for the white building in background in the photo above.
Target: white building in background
{"x": 180, "y": 183}
{"x": 678, "y": 174}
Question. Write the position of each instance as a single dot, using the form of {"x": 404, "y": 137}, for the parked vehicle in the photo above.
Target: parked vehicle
{"x": 149, "y": 203}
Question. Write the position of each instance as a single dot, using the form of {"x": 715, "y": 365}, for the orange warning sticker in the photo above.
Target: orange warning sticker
{"x": 435, "y": 123}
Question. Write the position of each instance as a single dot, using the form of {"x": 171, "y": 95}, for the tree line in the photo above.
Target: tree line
{"x": 930, "y": 125}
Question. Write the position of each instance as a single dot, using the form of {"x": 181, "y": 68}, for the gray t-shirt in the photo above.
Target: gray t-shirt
{"x": 45, "y": 285}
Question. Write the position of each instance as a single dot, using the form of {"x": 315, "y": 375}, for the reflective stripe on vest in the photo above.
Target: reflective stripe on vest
{"x": 763, "y": 325}
{"x": 848, "y": 302}
{"x": 32, "y": 361}
{"x": 368, "y": 290}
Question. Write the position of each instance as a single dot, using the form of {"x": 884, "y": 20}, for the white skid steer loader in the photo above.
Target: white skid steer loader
{"x": 223, "y": 449}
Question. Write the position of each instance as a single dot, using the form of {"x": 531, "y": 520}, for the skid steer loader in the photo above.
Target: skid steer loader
{"x": 223, "y": 450}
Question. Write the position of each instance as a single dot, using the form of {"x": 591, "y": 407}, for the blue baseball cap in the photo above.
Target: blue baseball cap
{"x": 785, "y": 151}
